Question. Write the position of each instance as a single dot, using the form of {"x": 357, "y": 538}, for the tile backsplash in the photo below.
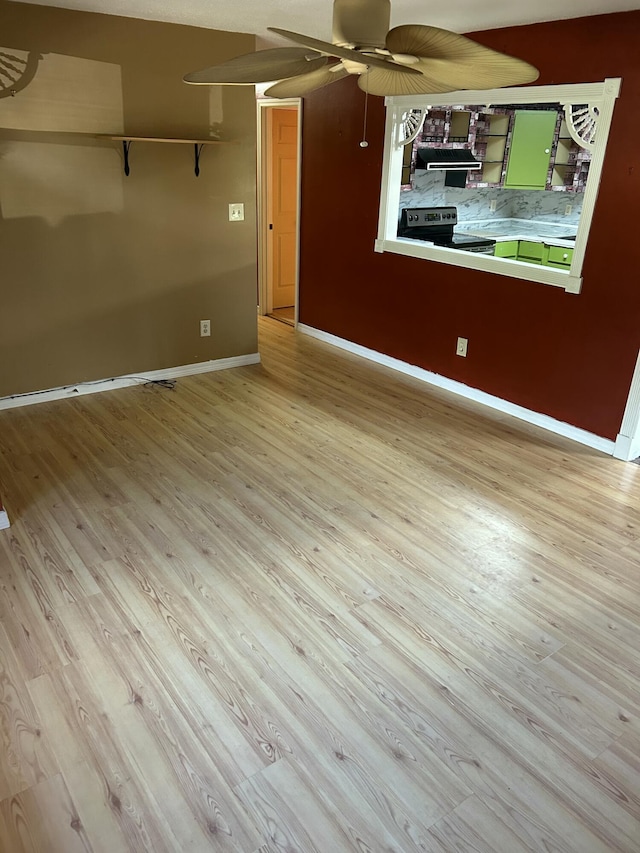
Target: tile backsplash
{"x": 429, "y": 190}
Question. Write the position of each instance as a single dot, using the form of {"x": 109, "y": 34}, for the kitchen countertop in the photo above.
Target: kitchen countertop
{"x": 502, "y": 230}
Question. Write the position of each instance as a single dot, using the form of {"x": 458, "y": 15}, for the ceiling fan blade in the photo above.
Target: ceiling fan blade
{"x": 455, "y": 61}
{"x": 343, "y": 52}
{"x": 383, "y": 82}
{"x": 296, "y": 87}
{"x": 260, "y": 67}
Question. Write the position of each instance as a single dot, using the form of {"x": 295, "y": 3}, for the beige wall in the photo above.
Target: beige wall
{"x": 100, "y": 274}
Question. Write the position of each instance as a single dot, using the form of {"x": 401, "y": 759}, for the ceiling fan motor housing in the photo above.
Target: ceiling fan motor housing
{"x": 361, "y": 23}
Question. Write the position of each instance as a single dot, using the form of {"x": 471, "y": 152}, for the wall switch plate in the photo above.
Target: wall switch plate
{"x": 236, "y": 212}
{"x": 492, "y": 205}
{"x": 567, "y": 209}
{"x": 205, "y": 328}
{"x": 461, "y": 347}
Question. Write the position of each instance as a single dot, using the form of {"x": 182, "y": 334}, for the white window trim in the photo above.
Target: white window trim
{"x": 601, "y": 95}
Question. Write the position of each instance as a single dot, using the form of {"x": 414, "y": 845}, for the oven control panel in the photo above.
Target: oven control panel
{"x": 424, "y": 217}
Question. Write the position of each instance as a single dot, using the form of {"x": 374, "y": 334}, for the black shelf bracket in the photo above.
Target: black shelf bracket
{"x": 197, "y": 151}
{"x": 126, "y": 145}
{"x": 198, "y": 145}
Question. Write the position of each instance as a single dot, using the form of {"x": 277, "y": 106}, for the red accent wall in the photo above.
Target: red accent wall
{"x": 565, "y": 355}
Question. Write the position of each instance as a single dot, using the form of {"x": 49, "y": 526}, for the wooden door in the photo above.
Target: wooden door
{"x": 283, "y": 206}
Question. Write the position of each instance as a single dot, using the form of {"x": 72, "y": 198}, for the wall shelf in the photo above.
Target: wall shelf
{"x": 198, "y": 145}
{"x": 570, "y": 162}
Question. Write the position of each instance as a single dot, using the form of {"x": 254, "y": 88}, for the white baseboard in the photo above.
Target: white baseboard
{"x": 4, "y": 520}
{"x": 126, "y": 381}
{"x": 627, "y": 448}
{"x": 559, "y": 427}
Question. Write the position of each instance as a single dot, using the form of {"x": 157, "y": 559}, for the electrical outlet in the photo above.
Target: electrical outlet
{"x": 461, "y": 347}
{"x": 236, "y": 212}
{"x": 567, "y": 210}
{"x": 492, "y": 205}
{"x": 205, "y": 328}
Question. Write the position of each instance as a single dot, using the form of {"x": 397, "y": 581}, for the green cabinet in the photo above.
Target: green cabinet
{"x": 530, "y": 154}
{"x": 532, "y": 252}
{"x": 559, "y": 257}
{"x": 506, "y": 249}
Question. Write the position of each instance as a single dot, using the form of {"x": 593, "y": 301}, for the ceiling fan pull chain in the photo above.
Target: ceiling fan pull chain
{"x": 364, "y": 143}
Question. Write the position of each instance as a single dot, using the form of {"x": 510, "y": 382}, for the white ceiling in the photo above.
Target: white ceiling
{"x": 313, "y": 17}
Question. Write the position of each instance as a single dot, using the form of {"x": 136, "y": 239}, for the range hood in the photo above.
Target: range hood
{"x": 441, "y": 159}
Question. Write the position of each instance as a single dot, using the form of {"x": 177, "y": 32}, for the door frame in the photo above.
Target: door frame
{"x": 627, "y": 446}
{"x": 265, "y": 297}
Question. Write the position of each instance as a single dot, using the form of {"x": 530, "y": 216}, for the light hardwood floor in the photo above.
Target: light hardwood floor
{"x": 312, "y": 606}
{"x": 285, "y": 315}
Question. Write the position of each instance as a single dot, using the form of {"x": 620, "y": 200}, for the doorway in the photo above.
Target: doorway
{"x": 279, "y": 140}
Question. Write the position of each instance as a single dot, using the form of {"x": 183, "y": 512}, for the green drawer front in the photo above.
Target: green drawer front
{"x": 507, "y": 249}
{"x": 533, "y": 251}
{"x": 559, "y": 255}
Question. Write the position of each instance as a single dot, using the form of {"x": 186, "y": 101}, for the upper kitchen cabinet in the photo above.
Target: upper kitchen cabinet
{"x": 531, "y": 146}
{"x": 490, "y": 145}
{"x": 450, "y": 126}
{"x": 570, "y": 163}
{"x": 459, "y": 126}
{"x": 522, "y": 149}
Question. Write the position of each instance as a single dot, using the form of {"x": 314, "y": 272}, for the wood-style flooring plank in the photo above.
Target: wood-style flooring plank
{"x": 521, "y": 801}
{"x": 43, "y": 819}
{"x": 457, "y": 647}
{"x": 26, "y": 755}
{"x": 332, "y": 726}
{"x": 296, "y": 814}
{"x": 472, "y": 826}
{"x": 37, "y": 636}
{"x": 547, "y": 780}
{"x": 104, "y": 743}
{"x": 312, "y": 605}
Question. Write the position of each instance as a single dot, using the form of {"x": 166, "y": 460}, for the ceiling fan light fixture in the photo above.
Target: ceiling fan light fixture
{"x": 404, "y": 58}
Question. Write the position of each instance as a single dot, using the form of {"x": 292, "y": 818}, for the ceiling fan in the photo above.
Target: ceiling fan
{"x": 407, "y": 60}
